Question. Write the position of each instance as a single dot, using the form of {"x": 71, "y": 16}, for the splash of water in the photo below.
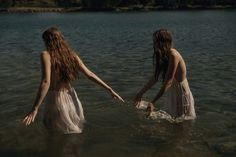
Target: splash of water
{"x": 161, "y": 114}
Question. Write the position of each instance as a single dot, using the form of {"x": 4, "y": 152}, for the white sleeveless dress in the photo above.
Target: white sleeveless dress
{"x": 180, "y": 102}
{"x": 63, "y": 112}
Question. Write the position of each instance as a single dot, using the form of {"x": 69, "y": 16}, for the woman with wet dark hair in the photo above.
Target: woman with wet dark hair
{"x": 170, "y": 65}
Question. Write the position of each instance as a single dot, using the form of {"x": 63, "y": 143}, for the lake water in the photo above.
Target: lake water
{"x": 118, "y": 48}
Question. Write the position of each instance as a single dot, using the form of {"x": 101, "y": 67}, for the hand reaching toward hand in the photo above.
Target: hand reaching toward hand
{"x": 150, "y": 109}
{"x": 137, "y": 103}
{"x": 29, "y": 118}
{"x": 116, "y": 96}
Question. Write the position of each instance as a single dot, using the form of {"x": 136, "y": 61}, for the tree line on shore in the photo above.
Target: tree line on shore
{"x": 103, "y": 4}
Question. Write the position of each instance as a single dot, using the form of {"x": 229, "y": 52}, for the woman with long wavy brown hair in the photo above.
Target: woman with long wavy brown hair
{"x": 60, "y": 66}
{"x": 171, "y": 66}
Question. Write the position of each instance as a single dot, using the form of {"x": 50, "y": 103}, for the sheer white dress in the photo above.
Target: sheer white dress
{"x": 180, "y": 102}
{"x": 63, "y": 111}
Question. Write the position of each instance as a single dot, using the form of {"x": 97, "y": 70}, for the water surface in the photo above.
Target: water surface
{"x": 118, "y": 48}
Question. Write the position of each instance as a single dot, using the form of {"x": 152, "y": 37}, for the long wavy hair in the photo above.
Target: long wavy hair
{"x": 63, "y": 59}
{"x": 162, "y": 44}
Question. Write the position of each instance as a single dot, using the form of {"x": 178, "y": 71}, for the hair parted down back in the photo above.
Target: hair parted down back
{"x": 63, "y": 59}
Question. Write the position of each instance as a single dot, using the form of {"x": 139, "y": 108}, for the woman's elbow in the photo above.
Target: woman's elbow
{"x": 45, "y": 82}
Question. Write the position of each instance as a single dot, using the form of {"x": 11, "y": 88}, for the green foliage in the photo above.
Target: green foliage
{"x": 69, "y": 3}
{"x": 100, "y": 3}
{"x": 28, "y": 3}
{"x": 96, "y": 4}
{"x": 5, "y": 3}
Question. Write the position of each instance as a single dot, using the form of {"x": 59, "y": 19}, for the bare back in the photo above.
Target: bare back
{"x": 181, "y": 72}
{"x": 55, "y": 83}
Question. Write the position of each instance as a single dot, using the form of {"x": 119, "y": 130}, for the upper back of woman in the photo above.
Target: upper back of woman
{"x": 64, "y": 64}
{"x": 164, "y": 54}
{"x": 180, "y": 74}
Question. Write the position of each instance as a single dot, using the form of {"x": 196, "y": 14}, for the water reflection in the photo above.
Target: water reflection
{"x": 64, "y": 145}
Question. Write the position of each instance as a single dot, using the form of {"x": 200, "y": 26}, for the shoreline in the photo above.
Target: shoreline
{"x": 116, "y": 9}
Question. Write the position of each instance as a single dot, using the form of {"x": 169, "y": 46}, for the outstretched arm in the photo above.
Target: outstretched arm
{"x": 90, "y": 75}
{"x": 43, "y": 88}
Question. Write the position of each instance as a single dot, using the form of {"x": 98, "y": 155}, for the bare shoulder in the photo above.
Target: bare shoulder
{"x": 45, "y": 56}
{"x": 174, "y": 54}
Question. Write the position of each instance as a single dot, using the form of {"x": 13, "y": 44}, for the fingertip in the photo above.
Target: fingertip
{"x": 25, "y": 118}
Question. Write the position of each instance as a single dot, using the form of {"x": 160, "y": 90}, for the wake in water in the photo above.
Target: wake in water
{"x": 160, "y": 114}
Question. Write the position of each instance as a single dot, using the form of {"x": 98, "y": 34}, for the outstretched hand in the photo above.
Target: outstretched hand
{"x": 137, "y": 103}
{"x": 116, "y": 96}
{"x": 29, "y": 118}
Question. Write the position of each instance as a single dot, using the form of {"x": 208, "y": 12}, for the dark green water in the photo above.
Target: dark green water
{"x": 118, "y": 47}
